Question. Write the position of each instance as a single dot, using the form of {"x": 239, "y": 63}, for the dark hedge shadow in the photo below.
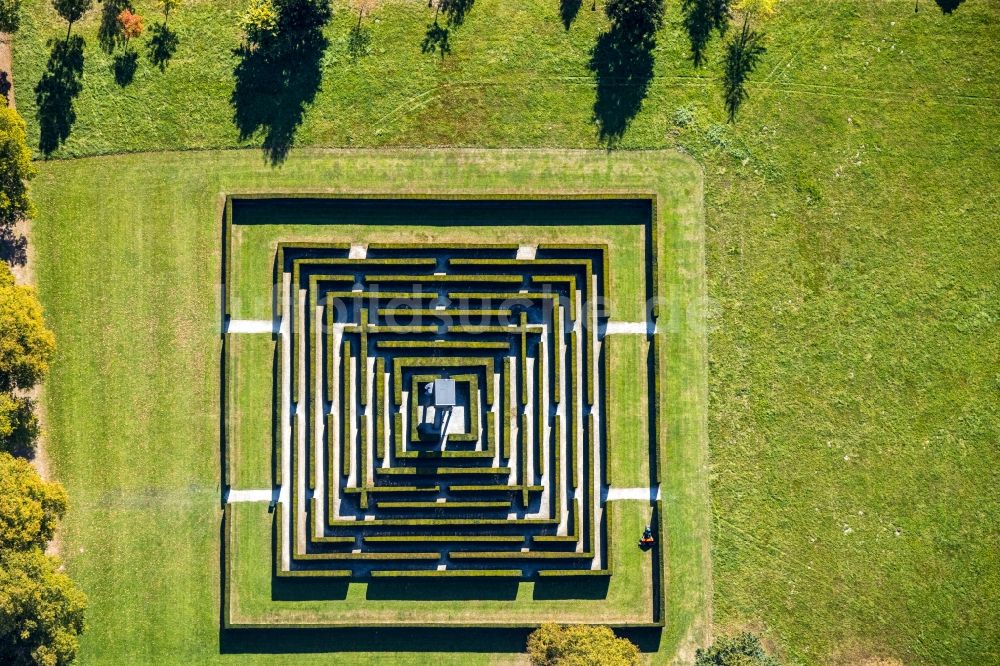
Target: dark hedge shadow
{"x": 275, "y": 82}
{"x": 306, "y": 589}
{"x": 162, "y": 45}
{"x": 415, "y": 589}
{"x": 568, "y": 9}
{"x": 586, "y": 587}
{"x": 623, "y": 67}
{"x": 382, "y": 640}
{"x": 701, "y": 17}
{"x": 60, "y": 84}
{"x": 124, "y": 66}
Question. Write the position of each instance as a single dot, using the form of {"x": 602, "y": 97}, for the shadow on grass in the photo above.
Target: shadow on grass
{"x": 124, "y": 66}
{"x": 162, "y": 45}
{"x": 701, "y": 17}
{"x": 457, "y": 589}
{"x": 56, "y": 90}
{"x": 624, "y": 69}
{"x": 275, "y": 82}
{"x": 568, "y": 9}
{"x": 371, "y": 639}
{"x": 948, "y": 6}
{"x": 436, "y": 40}
{"x": 587, "y": 587}
{"x": 306, "y": 589}
{"x": 109, "y": 32}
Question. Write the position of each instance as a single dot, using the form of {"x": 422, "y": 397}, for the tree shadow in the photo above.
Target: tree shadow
{"x": 568, "y": 9}
{"x": 56, "y": 90}
{"x": 437, "y": 37}
{"x": 275, "y": 82}
{"x": 701, "y": 17}
{"x": 162, "y": 45}
{"x": 124, "y": 66}
{"x": 13, "y": 247}
{"x": 359, "y": 41}
{"x": 623, "y": 66}
{"x": 436, "y": 40}
{"x": 109, "y": 32}
{"x": 948, "y": 6}
{"x": 742, "y": 55}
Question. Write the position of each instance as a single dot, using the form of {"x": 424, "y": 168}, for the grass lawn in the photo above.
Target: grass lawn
{"x": 136, "y": 287}
{"x": 852, "y": 265}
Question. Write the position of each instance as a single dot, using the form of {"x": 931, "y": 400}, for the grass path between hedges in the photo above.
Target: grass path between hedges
{"x": 128, "y": 267}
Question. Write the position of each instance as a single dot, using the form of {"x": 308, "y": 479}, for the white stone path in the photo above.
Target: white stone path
{"x": 651, "y": 493}
{"x": 632, "y": 327}
{"x": 250, "y": 326}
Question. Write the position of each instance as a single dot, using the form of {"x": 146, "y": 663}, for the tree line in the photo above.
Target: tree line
{"x": 41, "y": 608}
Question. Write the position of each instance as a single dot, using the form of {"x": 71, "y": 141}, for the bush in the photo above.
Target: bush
{"x": 744, "y": 649}
{"x": 582, "y": 645}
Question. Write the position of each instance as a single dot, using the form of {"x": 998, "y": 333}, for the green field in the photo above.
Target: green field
{"x": 851, "y": 241}
{"x": 163, "y": 295}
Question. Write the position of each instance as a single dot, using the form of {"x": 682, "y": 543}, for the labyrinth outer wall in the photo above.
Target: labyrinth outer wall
{"x": 491, "y": 518}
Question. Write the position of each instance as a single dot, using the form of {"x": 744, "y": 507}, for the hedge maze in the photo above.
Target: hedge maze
{"x": 507, "y": 483}
{"x": 440, "y": 413}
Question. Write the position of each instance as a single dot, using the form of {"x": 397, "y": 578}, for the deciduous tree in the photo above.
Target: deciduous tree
{"x": 15, "y": 167}
{"x": 131, "y": 24}
{"x": 10, "y": 15}
{"x": 30, "y": 508}
{"x": 26, "y": 345}
{"x": 41, "y": 610}
{"x": 18, "y": 425}
{"x": 582, "y": 645}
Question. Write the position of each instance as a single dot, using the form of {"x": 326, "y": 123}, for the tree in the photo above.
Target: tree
{"x": 744, "y": 649}
{"x": 30, "y": 508}
{"x": 18, "y": 425}
{"x": 581, "y": 645}
{"x": 26, "y": 345}
{"x": 71, "y": 11}
{"x": 41, "y": 610}
{"x": 16, "y": 168}
{"x": 743, "y": 52}
{"x": 10, "y": 15}
{"x": 131, "y": 24}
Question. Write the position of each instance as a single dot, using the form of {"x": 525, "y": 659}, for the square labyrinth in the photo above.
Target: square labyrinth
{"x": 441, "y": 448}
{"x": 387, "y": 482}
